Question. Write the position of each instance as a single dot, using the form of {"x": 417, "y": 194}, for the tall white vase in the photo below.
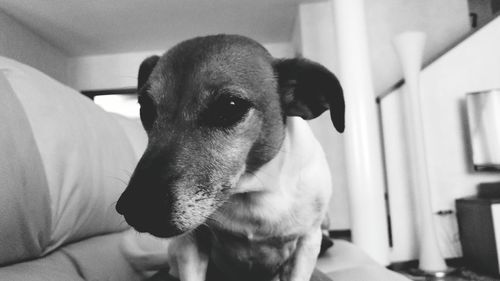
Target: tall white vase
{"x": 410, "y": 47}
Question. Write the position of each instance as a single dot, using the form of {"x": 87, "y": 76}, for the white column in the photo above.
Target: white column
{"x": 362, "y": 140}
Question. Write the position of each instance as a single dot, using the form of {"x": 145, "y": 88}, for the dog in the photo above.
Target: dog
{"x": 231, "y": 170}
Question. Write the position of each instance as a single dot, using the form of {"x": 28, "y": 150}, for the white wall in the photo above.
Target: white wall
{"x": 472, "y": 66}
{"x": 120, "y": 70}
{"x": 106, "y": 71}
{"x": 444, "y": 21}
{"x": 281, "y": 50}
{"x": 20, "y": 43}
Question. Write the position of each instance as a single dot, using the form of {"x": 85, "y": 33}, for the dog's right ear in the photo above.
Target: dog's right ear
{"x": 145, "y": 70}
{"x": 307, "y": 89}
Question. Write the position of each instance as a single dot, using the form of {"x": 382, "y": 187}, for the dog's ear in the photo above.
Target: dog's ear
{"x": 145, "y": 70}
{"x": 307, "y": 89}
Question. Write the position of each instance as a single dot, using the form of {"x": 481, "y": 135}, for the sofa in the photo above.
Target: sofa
{"x": 63, "y": 164}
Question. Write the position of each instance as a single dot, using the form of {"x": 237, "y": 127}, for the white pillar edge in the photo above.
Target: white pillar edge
{"x": 369, "y": 226}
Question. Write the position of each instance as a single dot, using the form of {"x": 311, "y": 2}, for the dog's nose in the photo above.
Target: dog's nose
{"x": 154, "y": 221}
{"x": 134, "y": 213}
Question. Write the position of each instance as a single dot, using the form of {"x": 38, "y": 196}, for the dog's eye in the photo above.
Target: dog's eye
{"x": 226, "y": 111}
{"x": 147, "y": 112}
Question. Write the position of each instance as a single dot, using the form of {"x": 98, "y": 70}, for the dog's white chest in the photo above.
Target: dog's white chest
{"x": 257, "y": 216}
{"x": 260, "y": 226}
{"x": 286, "y": 196}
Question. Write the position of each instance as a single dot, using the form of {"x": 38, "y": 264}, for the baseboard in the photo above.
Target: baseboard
{"x": 406, "y": 265}
{"x": 344, "y": 234}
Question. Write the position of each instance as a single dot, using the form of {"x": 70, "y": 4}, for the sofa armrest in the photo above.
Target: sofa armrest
{"x": 346, "y": 262}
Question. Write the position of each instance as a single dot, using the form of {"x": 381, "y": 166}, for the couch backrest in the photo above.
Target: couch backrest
{"x": 63, "y": 164}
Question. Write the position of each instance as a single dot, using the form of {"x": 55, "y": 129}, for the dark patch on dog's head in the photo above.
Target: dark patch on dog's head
{"x": 214, "y": 109}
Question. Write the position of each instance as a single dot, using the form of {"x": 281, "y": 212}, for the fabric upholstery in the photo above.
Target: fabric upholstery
{"x": 346, "y": 262}
{"x": 366, "y": 272}
{"x": 85, "y": 159}
{"x": 54, "y": 267}
{"x": 135, "y": 133}
{"x": 94, "y": 259}
{"x": 100, "y": 258}
{"x": 24, "y": 197}
{"x": 343, "y": 255}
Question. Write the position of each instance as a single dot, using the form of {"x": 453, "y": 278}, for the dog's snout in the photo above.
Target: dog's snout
{"x": 167, "y": 195}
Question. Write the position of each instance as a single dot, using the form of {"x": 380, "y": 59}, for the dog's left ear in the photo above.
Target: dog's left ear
{"x": 307, "y": 89}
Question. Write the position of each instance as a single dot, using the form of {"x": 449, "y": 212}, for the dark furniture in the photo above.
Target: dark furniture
{"x": 478, "y": 234}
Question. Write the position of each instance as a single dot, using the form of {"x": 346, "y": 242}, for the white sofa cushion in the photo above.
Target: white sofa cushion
{"x": 86, "y": 154}
{"x": 25, "y": 220}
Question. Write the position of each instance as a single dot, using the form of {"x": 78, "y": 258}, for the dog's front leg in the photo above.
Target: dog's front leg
{"x": 301, "y": 265}
{"x": 188, "y": 258}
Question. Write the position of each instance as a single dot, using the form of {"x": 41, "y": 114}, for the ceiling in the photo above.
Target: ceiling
{"x": 92, "y": 27}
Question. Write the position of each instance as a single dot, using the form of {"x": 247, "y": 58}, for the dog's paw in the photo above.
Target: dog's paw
{"x": 188, "y": 261}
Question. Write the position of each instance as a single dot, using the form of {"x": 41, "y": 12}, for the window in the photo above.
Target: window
{"x": 120, "y": 101}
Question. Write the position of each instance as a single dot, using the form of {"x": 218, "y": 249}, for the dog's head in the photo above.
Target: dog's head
{"x": 214, "y": 109}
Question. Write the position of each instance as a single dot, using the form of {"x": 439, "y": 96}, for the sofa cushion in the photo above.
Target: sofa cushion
{"x": 135, "y": 133}
{"x": 55, "y": 267}
{"x": 367, "y": 272}
{"x": 345, "y": 261}
{"x": 24, "y": 197}
{"x": 100, "y": 258}
{"x": 86, "y": 155}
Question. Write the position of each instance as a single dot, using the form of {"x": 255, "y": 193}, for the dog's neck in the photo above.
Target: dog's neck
{"x": 285, "y": 170}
